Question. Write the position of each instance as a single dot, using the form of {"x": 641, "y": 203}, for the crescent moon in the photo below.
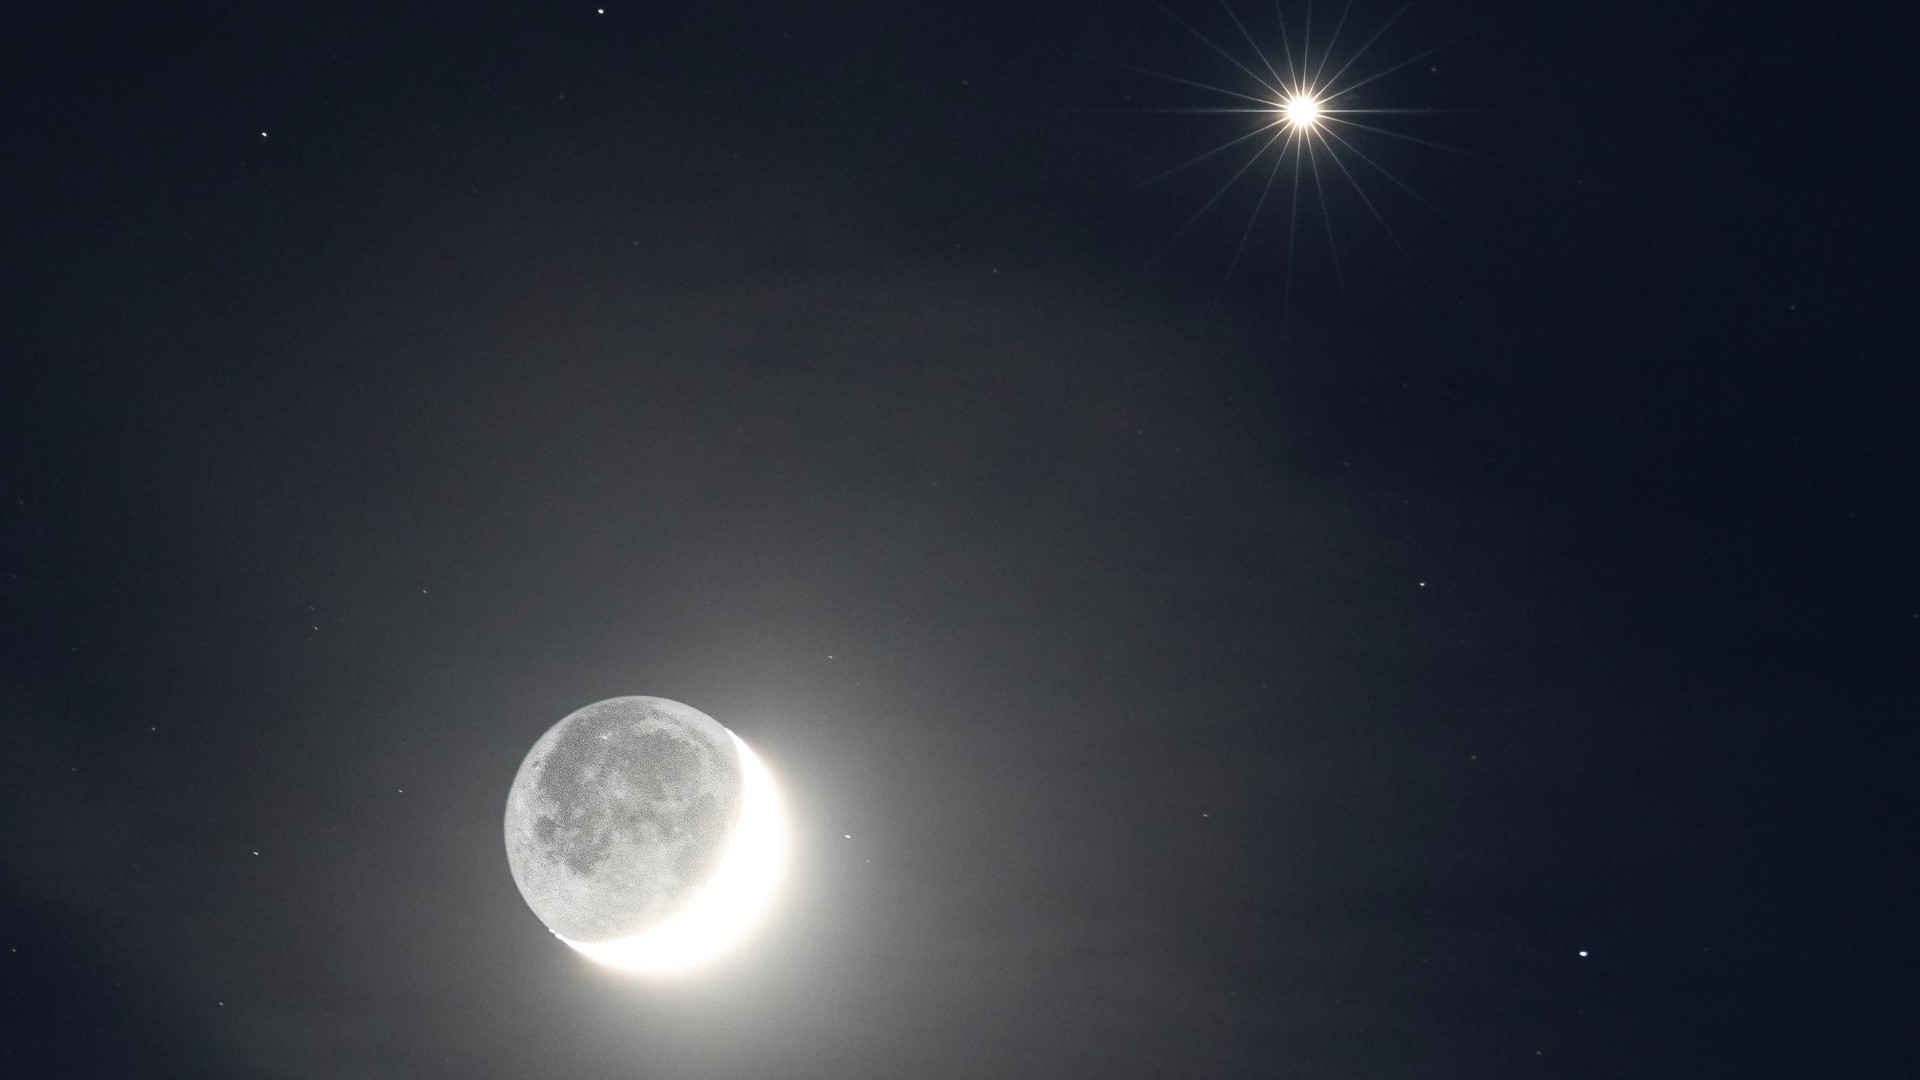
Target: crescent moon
{"x": 730, "y": 905}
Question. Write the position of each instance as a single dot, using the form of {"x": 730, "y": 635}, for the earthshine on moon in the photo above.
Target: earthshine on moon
{"x": 644, "y": 834}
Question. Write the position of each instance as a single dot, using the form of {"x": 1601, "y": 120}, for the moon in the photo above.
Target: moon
{"x": 645, "y": 835}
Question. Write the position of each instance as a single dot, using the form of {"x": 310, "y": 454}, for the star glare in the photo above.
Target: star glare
{"x": 1309, "y": 123}
{"x": 1302, "y": 110}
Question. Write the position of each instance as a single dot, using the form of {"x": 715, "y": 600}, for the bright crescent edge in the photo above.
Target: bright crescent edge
{"x": 731, "y": 904}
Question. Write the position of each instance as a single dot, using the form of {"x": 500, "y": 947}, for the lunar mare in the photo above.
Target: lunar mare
{"x": 620, "y": 815}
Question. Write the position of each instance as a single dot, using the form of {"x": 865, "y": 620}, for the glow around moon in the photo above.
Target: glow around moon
{"x": 730, "y": 905}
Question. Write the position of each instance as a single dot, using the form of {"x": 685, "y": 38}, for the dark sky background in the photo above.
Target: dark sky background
{"x": 1492, "y": 658}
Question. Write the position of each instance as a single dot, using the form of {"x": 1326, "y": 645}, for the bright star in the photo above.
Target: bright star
{"x": 1302, "y": 110}
{"x": 1309, "y": 137}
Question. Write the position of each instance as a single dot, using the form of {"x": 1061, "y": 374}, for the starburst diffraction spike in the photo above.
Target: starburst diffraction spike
{"x": 1415, "y": 58}
{"x": 1235, "y": 61}
{"x": 1306, "y": 48}
{"x": 1297, "y": 101}
{"x": 1224, "y": 188}
{"x": 1257, "y": 50}
{"x": 1286, "y": 47}
{"x": 1293, "y": 232}
{"x": 1326, "y": 214}
{"x": 1338, "y": 25}
{"x": 1361, "y": 190}
{"x": 1252, "y": 220}
{"x": 1362, "y": 50}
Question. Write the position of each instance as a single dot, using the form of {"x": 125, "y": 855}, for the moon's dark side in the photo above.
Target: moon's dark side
{"x": 619, "y": 813}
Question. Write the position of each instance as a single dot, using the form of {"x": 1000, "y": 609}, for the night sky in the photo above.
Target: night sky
{"x": 1471, "y": 630}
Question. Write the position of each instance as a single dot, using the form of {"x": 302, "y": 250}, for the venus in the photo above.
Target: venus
{"x": 645, "y": 835}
